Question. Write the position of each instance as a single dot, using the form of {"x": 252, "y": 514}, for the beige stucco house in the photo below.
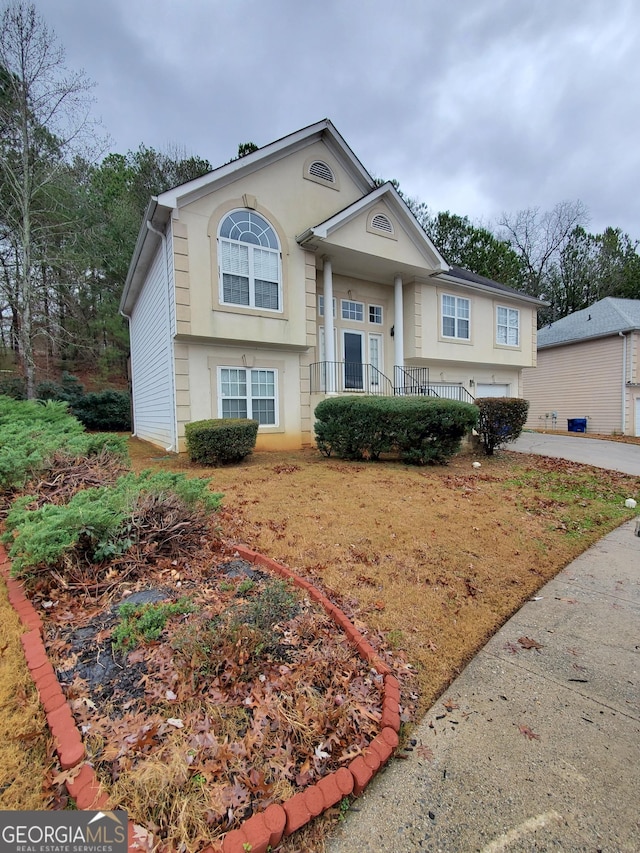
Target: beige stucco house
{"x": 588, "y": 368}
{"x": 289, "y": 274}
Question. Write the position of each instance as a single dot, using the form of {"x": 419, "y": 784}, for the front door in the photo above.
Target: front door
{"x": 352, "y": 349}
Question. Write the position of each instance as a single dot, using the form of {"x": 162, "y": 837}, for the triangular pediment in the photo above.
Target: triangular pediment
{"x": 380, "y": 224}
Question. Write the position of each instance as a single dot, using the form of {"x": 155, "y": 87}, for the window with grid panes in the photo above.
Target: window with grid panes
{"x": 352, "y": 310}
{"x": 507, "y": 326}
{"x": 456, "y": 315}
{"x": 248, "y": 393}
{"x": 375, "y": 314}
{"x": 249, "y": 259}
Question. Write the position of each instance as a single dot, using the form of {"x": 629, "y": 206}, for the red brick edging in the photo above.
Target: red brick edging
{"x": 264, "y": 829}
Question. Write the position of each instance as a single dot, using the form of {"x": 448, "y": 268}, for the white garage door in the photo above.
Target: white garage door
{"x": 492, "y": 390}
{"x": 638, "y": 416}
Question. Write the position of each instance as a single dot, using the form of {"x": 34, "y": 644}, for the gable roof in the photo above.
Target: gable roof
{"x": 606, "y": 317}
{"x": 322, "y": 130}
{"x": 386, "y": 192}
{"x": 159, "y": 210}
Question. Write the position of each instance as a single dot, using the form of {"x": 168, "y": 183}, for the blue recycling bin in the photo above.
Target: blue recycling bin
{"x": 577, "y": 425}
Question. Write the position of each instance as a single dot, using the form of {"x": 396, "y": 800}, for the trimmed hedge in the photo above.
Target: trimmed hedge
{"x": 419, "y": 429}
{"x": 220, "y": 441}
{"x": 501, "y": 420}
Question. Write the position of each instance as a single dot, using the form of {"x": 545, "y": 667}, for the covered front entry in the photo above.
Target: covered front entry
{"x": 352, "y": 346}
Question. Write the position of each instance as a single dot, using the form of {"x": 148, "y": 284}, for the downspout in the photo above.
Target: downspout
{"x": 127, "y": 317}
{"x": 173, "y": 448}
{"x": 623, "y": 418}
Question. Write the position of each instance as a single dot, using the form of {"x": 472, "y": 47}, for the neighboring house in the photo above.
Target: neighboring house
{"x": 588, "y": 367}
{"x": 287, "y": 275}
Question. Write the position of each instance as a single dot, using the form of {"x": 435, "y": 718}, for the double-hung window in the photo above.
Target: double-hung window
{"x": 456, "y": 315}
{"x": 248, "y": 393}
{"x": 507, "y": 326}
{"x": 250, "y": 272}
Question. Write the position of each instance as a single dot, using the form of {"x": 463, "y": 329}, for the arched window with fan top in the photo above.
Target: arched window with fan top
{"x": 249, "y": 261}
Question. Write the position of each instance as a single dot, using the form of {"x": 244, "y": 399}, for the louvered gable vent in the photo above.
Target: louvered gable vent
{"x": 382, "y": 223}
{"x": 318, "y": 169}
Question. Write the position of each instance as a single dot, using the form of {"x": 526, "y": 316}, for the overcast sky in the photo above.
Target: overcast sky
{"x": 475, "y": 106}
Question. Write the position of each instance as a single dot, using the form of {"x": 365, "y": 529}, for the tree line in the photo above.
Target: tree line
{"x": 70, "y": 215}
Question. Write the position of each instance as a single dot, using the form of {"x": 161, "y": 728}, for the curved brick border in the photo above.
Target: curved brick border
{"x": 266, "y": 828}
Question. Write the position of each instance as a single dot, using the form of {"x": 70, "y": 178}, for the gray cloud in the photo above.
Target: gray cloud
{"x": 475, "y": 107}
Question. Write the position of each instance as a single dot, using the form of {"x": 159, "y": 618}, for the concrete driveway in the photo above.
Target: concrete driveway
{"x": 613, "y": 455}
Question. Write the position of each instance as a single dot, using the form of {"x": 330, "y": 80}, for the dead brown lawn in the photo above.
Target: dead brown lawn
{"x": 435, "y": 559}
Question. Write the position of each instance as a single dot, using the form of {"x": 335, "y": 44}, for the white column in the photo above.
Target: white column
{"x": 329, "y": 336}
{"x": 398, "y": 324}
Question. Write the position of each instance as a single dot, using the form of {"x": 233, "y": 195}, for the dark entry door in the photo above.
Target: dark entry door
{"x": 353, "y": 361}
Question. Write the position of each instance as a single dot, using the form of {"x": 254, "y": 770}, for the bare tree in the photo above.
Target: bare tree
{"x": 44, "y": 123}
{"x": 539, "y": 238}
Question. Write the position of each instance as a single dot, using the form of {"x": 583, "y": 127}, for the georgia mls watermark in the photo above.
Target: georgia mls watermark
{"x": 63, "y": 832}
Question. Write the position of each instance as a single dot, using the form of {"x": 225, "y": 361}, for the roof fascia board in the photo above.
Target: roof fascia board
{"x": 407, "y": 220}
{"x": 485, "y": 288}
{"x": 158, "y": 216}
{"x": 224, "y": 175}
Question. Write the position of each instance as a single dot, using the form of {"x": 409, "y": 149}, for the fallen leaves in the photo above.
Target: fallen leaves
{"x": 528, "y": 643}
{"x": 528, "y": 733}
{"x": 425, "y": 752}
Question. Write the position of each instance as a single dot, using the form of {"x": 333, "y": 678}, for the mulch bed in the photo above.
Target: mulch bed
{"x": 229, "y": 709}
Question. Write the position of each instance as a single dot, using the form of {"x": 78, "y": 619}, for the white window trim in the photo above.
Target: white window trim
{"x": 350, "y": 319}
{"x": 373, "y": 322}
{"x": 456, "y": 336}
{"x": 507, "y": 326}
{"x": 249, "y": 398}
{"x": 321, "y": 306}
{"x": 251, "y": 248}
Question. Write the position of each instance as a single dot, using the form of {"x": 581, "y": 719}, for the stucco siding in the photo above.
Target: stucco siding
{"x": 151, "y": 359}
{"x": 581, "y": 380}
{"x": 481, "y": 348}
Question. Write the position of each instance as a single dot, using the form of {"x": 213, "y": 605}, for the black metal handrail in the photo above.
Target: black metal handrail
{"x": 351, "y": 377}
{"x": 348, "y": 377}
{"x": 411, "y": 381}
{"x": 451, "y": 391}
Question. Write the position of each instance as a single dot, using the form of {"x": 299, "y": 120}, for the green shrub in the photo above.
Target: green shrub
{"x": 95, "y": 525}
{"x": 145, "y": 622}
{"x": 419, "y": 429}
{"x": 13, "y": 386}
{"x": 31, "y": 433}
{"x": 220, "y": 441}
{"x": 104, "y": 410}
{"x": 69, "y": 389}
{"x": 501, "y": 420}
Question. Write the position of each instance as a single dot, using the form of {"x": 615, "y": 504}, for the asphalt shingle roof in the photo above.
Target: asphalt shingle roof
{"x": 606, "y": 317}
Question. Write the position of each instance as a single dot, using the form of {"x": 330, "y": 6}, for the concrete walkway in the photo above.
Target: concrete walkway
{"x": 536, "y": 746}
{"x": 614, "y": 455}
